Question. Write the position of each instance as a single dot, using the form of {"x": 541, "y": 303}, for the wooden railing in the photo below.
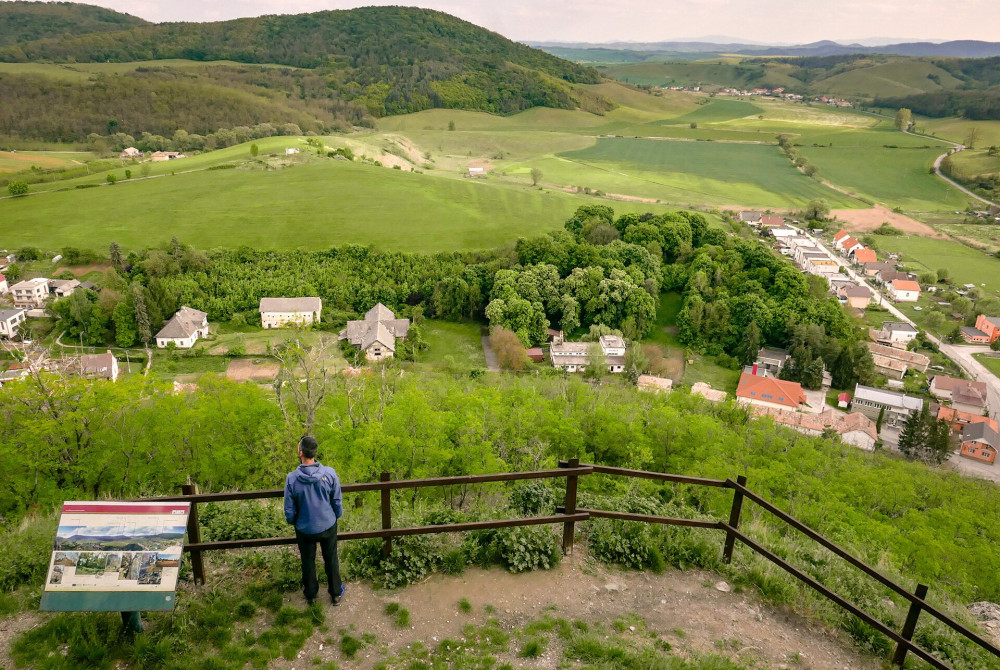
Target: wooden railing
{"x": 568, "y": 514}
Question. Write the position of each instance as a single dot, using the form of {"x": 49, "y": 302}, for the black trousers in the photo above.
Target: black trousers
{"x": 327, "y": 541}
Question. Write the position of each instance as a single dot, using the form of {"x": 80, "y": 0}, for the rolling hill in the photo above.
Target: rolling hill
{"x": 28, "y": 21}
{"x": 334, "y": 67}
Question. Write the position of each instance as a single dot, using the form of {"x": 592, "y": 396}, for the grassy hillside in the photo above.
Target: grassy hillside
{"x": 901, "y": 77}
{"x": 27, "y": 21}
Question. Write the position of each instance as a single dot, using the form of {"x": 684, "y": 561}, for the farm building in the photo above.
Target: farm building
{"x": 162, "y": 156}
{"x": 376, "y": 334}
{"x": 913, "y": 360}
{"x": 183, "y": 329}
{"x": 278, "y": 312}
{"x": 706, "y": 391}
{"x": 653, "y": 384}
{"x": 130, "y": 153}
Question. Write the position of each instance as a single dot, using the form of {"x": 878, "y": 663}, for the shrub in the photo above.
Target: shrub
{"x": 241, "y": 520}
{"x": 528, "y": 548}
{"x": 532, "y": 498}
{"x": 24, "y": 554}
{"x": 624, "y": 543}
{"x": 412, "y": 558}
{"x": 17, "y": 187}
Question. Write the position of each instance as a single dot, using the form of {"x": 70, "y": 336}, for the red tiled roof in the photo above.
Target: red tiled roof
{"x": 844, "y": 397}
{"x": 841, "y": 235}
{"x": 865, "y": 256}
{"x": 905, "y": 285}
{"x": 768, "y": 389}
{"x": 952, "y": 414}
{"x": 850, "y": 242}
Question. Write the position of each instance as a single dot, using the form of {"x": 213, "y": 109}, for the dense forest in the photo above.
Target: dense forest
{"x": 341, "y": 67}
{"x": 976, "y": 104}
{"x": 22, "y": 21}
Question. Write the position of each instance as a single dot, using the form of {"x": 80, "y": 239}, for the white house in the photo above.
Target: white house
{"x": 278, "y": 312}
{"x": 31, "y": 293}
{"x": 575, "y": 356}
{"x": 130, "y": 153}
{"x": 183, "y": 329}
{"x": 63, "y": 288}
{"x": 291, "y": 151}
{"x": 904, "y": 290}
{"x": 376, "y": 334}
{"x": 4, "y": 288}
{"x": 895, "y": 334}
{"x": 99, "y": 366}
{"x": 10, "y": 321}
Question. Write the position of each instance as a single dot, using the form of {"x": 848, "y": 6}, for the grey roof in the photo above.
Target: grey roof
{"x": 379, "y": 325}
{"x": 97, "y": 364}
{"x": 773, "y": 354}
{"x": 379, "y": 313}
{"x": 981, "y": 432}
{"x": 889, "y": 398}
{"x": 995, "y": 320}
{"x": 972, "y": 332}
{"x": 311, "y": 305}
{"x": 183, "y": 324}
{"x": 855, "y": 291}
{"x": 380, "y": 334}
{"x": 898, "y": 326}
{"x": 751, "y": 216}
{"x": 6, "y": 314}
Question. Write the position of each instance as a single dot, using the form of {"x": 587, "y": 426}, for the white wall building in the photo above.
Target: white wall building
{"x": 279, "y": 312}
{"x": 183, "y": 329}
{"x": 10, "y": 321}
{"x": 31, "y": 293}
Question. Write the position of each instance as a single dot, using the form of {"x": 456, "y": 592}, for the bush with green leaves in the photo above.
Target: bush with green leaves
{"x": 528, "y": 548}
{"x": 412, "y": 558}
{"x": 25, "y": 553}
{"x": 241, "y": 520}
{"x": 533, "y": 498}
{"x": 626, "y": 543}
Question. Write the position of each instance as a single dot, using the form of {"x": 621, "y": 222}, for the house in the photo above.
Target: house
{"x": 904, "y": 290}
{"x": 913, "y": 360}
{"x": 706, "y": 391}
{"x": 476, "y": 172}
{"x": 843, "y": 400}
{"x": 874, "y": 269}
{"x": 63, "y": 288}
{"x": 769, "y": 392}
{"x": 278, "y": 312}
{"x": 10, "y": 321}
{"x": 183, "y": 329}
{"x": 862, "y": 256}
{"x": 839, "y": 237}
{"x": 753, "y": 218}
{"x": 771, "y": 221}
{"x": 783, "y": 233}
{"x": 855, "y": 429}
{"x": 130, "y": 153}
{"x": 575, "y": 356}
{"x": 31, "y": 293}
{"x": 376, "y": 334}
{"x": 536, "y": 354}
{"x": 856, "y": 296}
{"x": 822, "y": 266}
{"x": 771, "y": 360}
{"x": 653, "y": 384}
{"x": 98, "y": 366}
{"x": 161, "y": 156}
{"x": 965, "y": 395}
{"x": 986, "y": 330}
{"x": 889, "y": 276}
{"x": 897, "y": 407}
{"x": 980, "y": 441}
{"x": 4, "y": 288}
{"x": 291, "y": 151}
{"x": 896, "y": 334}
{"x": 892, "y": 368}
{"x": 959, "y": 420}
{"x": 847, "y": 244}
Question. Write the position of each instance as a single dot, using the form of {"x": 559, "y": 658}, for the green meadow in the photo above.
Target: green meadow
{"x": 967, "y": 265}
{"x": 18, "y": 161}
{"x": 313, "y": 205}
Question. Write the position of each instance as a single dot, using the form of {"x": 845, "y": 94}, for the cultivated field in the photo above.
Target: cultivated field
{"x": 967, "y": 266}
{"x": 16, "y": 161}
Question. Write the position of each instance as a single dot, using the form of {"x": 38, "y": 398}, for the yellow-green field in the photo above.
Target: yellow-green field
{"x": 17, "y": 161}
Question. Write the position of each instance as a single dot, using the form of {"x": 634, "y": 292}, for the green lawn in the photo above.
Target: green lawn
{"x": 718, "y": 110}
{"x": 704, "y": 369}
{"x": 967, "y": 266}
{"x": 314, "y": 205}
{"x": 16, "y": 161}
{"x": 452, "y": 346}
{"x": 720, "y": 173}
{"x": 164, "y": 364}
{"x": 992, "y": 364}
{"x": 664, "y": 331}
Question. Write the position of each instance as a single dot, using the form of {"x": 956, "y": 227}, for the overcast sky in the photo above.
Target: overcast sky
{"x": 790, "y": 21}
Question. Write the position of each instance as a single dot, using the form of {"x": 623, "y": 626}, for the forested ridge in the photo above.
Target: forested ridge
{"x": 342, "y": 66}
{"x": 28, "y": 21}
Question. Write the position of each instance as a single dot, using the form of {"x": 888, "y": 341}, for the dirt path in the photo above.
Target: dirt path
{"x": 682, "y": 608}
{"x": 10, "y": 629}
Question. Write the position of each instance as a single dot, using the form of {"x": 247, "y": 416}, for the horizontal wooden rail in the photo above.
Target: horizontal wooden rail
{"x": 865, "y": 568}
{"x": 648, "y": 518}
{"x": 395, "y": 532}
{"x": 659, "y": 476}
{"x": 830, "y": 595}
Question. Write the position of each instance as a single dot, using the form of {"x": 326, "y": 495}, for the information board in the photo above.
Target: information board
{"x": 116, "y": 556}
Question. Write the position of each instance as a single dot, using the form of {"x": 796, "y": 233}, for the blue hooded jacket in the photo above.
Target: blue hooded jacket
{"x": 312, "y": 498}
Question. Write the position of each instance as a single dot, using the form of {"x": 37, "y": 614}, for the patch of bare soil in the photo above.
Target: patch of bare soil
{"x": 683, "y": 608}
{"x": 10, "y": 629}
{"x": 81, "y": 270}
{"x": 250, "y": 369}
{"x": 865, "y": 220}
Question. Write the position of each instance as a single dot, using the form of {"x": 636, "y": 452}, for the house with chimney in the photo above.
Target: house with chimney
{"x": 183, "y": 329}
{"x": 769, "y": 392}
{"x": 376, "y": 334}
{"x": 904, "y": 290}
{"x": 980, "y": 442}
{"x": 964, "y": 395}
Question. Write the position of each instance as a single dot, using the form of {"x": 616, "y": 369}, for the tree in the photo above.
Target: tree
{"x": 254, "y": 150}
{"x": 881, "y": 417}
{"x": 145, "y": 169}
{"x": 142, "y": 322}
{"x": 975, "y": 134}
{"x": 596, "y": 365}
{"x": 935, "y": 321}
{"x": 117, "y": 260}
{"x": 904, "y": 117}
{"x": 995, "y": 345}
{"x": 750, "y": 346}
{"x": 536, "y": 176}
{"x": 636, "y": 362}
{"x": 818, "y": 209}
{"x": 128, "y": 174}
{"x": 509, "y": 351}
{"x": 451, "y": 125}
{"x": 17, "y": 188}
{"x": 943, "y": 274}
{"x": 111, "y": 178}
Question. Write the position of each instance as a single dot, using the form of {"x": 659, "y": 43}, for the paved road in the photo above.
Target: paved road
{"x": 961, "y": 354}
{"x": 940, "y": 159}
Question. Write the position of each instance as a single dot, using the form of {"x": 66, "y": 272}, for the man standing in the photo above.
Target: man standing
{"x": 313, "y": 503}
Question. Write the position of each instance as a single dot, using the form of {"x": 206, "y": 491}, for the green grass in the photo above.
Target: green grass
{"x": 719, "y": 110}
{"x": 664, "y": 331}
{"x": 84, "y": 71}
{"x": 704, "y": 369}
{"x": 16, "y": 161}
{"x": 898, "y": 78}
{"x": 967, "y": 266}
{"x": 990, "y": 363}
{"x": 314, "y": 205}
{"x": 164, "y": 365}
{"x": 731, "y": 174}
{"x": 452, "y": 346}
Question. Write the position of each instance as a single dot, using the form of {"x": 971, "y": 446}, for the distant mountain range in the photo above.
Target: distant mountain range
{"x": 953, "y": 49}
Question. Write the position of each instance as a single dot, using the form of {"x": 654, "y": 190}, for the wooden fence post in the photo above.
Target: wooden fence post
{"x": 194, "y": 535}
{"x": 734, "y": 520}
{"x": 909, "y": 626}
{"x": 386, "y": 514}
{"x": 570, "y": 504}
